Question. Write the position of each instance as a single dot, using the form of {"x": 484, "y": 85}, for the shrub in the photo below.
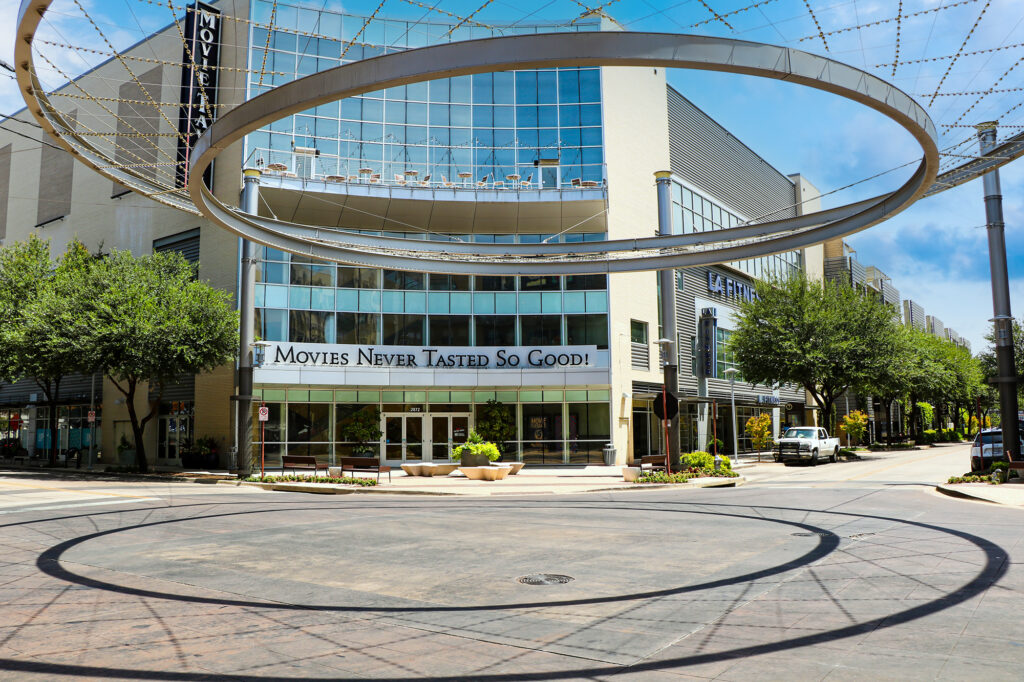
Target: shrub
{"x": 703, "y": 460}
{"x": 684, "y": 476}
{"x": 476, "y": 445}
{"x": 292, "y": 478}
{"x": 929, "y": 436}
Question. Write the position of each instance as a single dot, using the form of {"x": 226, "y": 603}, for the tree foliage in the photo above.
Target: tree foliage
{"x": 43, "y": 336}
{"x": 152, "y": 321}
{"x": 759, "y": 429}
{"x": 826, "y": 337}
{"x": 854, "y": 425}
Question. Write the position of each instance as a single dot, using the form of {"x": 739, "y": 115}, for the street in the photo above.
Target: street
{"x": 855, "y": 570}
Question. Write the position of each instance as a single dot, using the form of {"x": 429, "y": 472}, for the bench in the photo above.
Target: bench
{"x": 654, "y": 463}
{"x": 368, "y": 464}
{"x": 308, "y": 462}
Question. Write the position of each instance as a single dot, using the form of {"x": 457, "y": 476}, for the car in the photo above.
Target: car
{"x": 808, "y": 444}
{"x": 987, "y": 448}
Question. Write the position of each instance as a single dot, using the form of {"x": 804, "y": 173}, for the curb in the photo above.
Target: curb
{"x": 333, "y": 489}
{"x": 947, "y": 489}
{"x": 115, "y": 475}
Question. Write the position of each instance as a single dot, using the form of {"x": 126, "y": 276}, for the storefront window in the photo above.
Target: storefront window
{"x": 542, "y": 433}
{"x": 589, "y": 431}
{"x": 309, "y": 423}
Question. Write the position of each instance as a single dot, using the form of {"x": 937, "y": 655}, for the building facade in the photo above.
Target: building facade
{"x": 514, "y": 157}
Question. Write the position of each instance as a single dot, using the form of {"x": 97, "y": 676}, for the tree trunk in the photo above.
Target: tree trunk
{"x": 140, "y": 447}
{"x": 52, "y": 397}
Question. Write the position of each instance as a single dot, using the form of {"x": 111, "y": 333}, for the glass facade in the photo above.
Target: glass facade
{"x": 562, "y": 426}
{"x": 304, "y": 301}
{"x": 539, "y": 126}
{"x": 694, "y": 212}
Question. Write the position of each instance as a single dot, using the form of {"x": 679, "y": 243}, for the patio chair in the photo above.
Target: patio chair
{"x": 483, "y": 182}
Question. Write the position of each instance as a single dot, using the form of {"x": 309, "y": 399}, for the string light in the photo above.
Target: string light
{"x": 471, "y": 15}
{"x": 821, "y": 33}
{"x": 950, "y": 56}
{"x": 365, "y": 24}
{"x": 887, "y": 21}
{"x": 734, "y": 12}
{"x": 899, "y": 26}
{"x": 718, "y": 17}
{"x": 148, "y": 60}
{"x": 956, "y": 57}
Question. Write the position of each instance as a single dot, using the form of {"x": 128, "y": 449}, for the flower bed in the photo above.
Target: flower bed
{"x": 292, "y": 478}
{"x": 686, "y": 475}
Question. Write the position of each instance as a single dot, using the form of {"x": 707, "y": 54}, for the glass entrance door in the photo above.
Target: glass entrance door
{"x": 447, "y": 432}
{"x": 403, "y": 436}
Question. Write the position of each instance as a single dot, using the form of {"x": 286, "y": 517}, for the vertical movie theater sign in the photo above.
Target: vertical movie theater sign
{"x": 201, "y": 56}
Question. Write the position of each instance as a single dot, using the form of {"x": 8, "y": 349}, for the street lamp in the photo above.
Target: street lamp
{"x": 259, "y": 352}
{"x": 732, "y": 372}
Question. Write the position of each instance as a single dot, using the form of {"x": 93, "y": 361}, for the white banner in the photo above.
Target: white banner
{"x": 284, "y": 355}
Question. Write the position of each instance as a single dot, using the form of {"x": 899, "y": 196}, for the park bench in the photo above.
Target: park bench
{"x": 654, "y": 463}
{"x": 368, "y": 464}
{"x": 308, "y": 462}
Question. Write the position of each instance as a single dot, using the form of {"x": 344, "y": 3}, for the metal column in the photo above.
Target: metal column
{"x": 246, "y": 332}
{"x": 1003, "y": 319}
{"x": 668, "y": 311}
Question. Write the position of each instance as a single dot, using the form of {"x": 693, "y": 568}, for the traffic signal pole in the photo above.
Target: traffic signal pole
{"x": 1003, "y": 319}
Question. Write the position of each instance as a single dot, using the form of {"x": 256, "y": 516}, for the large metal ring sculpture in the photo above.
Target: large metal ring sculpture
{"x": 525, "y": 52}
{"x": 567, "y": 50}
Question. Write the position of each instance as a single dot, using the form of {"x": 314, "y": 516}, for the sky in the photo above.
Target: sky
{"x": 935, "y": 252}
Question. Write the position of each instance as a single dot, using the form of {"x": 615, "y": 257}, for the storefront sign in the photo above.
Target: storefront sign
{"x": 198, "y": 82}
{"x": 707, "y": 365}
{"x": 419, "y": 357}
{"x": 768, "y": 400}
{"x": 730, "y": 288}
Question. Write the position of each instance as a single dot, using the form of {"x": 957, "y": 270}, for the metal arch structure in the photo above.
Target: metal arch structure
{"x": 568, "y": 50}
{"x": 544, "y": 50}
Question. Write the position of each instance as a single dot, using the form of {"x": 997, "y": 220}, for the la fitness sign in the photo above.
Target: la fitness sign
{"x": 418, "y": 357}
{"x": 730, "y": 288}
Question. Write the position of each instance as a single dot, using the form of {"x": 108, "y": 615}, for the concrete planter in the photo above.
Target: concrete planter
{"x": 485, "y": 473}
{"x": 334, "y": 472}
{"x": 630, "y": 474}
{"x": 470, "y": 460}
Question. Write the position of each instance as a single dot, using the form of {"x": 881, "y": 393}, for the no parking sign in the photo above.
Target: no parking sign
{"x": 264, "y": 413}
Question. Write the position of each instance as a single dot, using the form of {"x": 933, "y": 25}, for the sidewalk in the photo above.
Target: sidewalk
{"x": 529, "y": 481}
{"x": 1010, "y": 494}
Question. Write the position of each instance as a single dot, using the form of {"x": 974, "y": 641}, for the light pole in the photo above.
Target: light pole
{"x": 246, "y": 331}
{"x": 732, "y": 372}
{"x": 670, "y": 387}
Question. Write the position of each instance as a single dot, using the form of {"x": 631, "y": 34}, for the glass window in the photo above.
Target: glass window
{"x": 345, "y": 415}
{"x": 542, "y": 433}
{"x": 587, "y": 330}
{"x": 589, "y": 421}
{"x": 637, "y": 331}
{"x": 449, "y": 282}
{"x": 541, "y": 330}
{"x": 358, "y": 328}
{"x": 449, "y": 330}
{"x": 302, "y": 273}
{"x": 495, "y": 283}
{"x": 358, "y": 278}
{"x": 399, "y": 279}
{"x": 543, "y": 283}
{"x": 495, "y": 330}
{"x": 403, "y": 330}
{"x": 309, "y": 422}
{"x": 272, "y": 325}
{"x": 725, "y": 357}
{"x": 580, "y": 282}
{"x": 307, "y": 326}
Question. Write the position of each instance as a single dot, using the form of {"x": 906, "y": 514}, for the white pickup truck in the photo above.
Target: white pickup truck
{"x": 806, "y": 443}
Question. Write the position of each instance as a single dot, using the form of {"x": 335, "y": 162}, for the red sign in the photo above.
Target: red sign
{"x": 92, "y": 416}
{"x": 15, "y": 422}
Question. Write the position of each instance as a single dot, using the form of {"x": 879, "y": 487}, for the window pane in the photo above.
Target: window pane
{"x": 397, "y": 279}
{"x": 580, "y": 282}
{"x": 541, "y": 330}
{"x": 357, "y": 328}
{"x": 309, "y": 422}
{"x": 545, "y": 283}
{"x": 495, "y": 283}
{"x": 273, "y": 325}
{"x": 362, "y": 278}
{"x": 307, "y": 326}
{"x": 495, "y": 330}
{"x": 637, "y": 331}
{"x": 403, "y": 330}
{"x": 586, "y": 330}
{"x": 449, "y": 330}
{"x": 449, "y": 282}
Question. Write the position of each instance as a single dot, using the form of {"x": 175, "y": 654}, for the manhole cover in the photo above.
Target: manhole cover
{"x": 808, "y": 535}
{"x": 545, "y": 579}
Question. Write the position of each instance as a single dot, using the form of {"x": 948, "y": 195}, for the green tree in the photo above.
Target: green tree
{"x": 152, "y": 321}
{"x": 496, "y": 422}
{"x": 825, "y": 337}
{"x": 42, "y": 337}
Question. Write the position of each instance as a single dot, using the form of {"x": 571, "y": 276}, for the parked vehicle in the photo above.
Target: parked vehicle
{"x": 806, "y": 444}
{"x": 988, "y": 448}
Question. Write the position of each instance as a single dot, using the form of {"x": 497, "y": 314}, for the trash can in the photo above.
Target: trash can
{"x": 609, "y": 455}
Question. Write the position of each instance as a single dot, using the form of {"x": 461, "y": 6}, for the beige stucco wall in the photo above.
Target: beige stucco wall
{"x": 635, "y": 115}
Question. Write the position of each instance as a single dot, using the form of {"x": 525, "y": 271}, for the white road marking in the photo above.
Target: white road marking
{"x": 72, "y": 505}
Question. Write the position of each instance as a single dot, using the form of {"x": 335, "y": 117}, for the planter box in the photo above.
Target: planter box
{"x": 630, "y": 474}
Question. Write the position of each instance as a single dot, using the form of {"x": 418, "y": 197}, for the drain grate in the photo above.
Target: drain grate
{"x": 808, "y": 535}
{"x": 545, "y": 579}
